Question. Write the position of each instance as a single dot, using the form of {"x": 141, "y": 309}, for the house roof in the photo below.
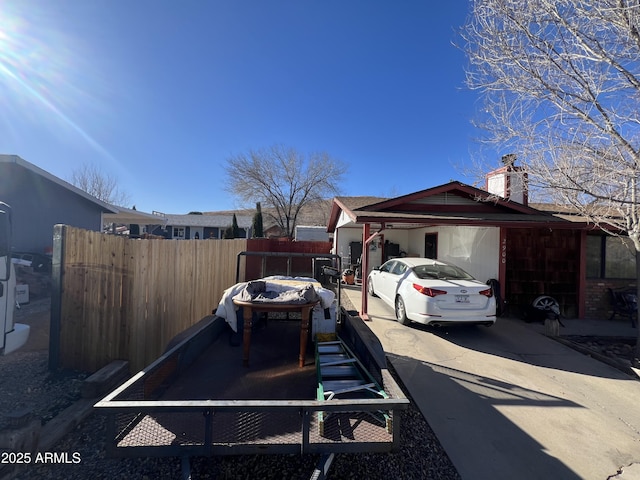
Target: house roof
{"x": 15, "y": 159}
{"x": 220, "y": 220}
{"x": 128, "y": 216}
{"x": 453, "y": 203}
{"x": 207, "y": 220}
{"x": 603, "y": 216}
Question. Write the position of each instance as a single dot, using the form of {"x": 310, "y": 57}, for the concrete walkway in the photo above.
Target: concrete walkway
{"x": 506, "y": 402}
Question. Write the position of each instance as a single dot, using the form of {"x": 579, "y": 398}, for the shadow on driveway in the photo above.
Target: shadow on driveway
{"x": 481, "y": 441}
{"x": 511, "y": 339}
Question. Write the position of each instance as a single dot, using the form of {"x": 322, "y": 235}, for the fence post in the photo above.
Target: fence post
{"x": 59, "y": 233}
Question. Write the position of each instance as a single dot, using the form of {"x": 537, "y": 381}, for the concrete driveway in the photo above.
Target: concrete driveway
{"x": 509, "y": 403}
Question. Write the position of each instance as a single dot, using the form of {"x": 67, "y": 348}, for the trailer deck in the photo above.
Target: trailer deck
{"x": 198, "y": 399}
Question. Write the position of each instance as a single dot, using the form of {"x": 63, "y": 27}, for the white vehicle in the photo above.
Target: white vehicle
{"x": 12, "y": 335}
{"x": 432, "y": 292}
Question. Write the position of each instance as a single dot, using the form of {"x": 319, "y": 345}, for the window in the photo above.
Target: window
{"x": 387, "y": 267}
{"x": 399, "y": 268}
{"x": 620, "y": 259}
{"x": 178, "y": 232}
{"x": 610, "y": 257}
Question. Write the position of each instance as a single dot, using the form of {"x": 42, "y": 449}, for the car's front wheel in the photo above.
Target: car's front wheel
{"x": 401, "y": 311}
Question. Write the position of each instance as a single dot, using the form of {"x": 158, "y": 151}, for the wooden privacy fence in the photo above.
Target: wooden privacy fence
{"x": 120, "y": 298}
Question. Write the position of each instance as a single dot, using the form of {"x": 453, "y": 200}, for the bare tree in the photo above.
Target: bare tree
{"x": 561, "y": 84}
{"x": 101, "y": 185}
{"x": 283, "y": 180}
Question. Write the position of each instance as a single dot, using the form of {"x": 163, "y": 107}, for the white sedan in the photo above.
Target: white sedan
{"x": 432, "y": 292}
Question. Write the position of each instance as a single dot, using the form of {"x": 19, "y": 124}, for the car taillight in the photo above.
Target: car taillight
{"x": 430, "y": 292}
{"x": 487, "y": 293}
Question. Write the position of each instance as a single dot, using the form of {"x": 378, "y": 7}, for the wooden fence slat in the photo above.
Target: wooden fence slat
{"x": 124, "y": 298}
{"x": 127, "y": 298}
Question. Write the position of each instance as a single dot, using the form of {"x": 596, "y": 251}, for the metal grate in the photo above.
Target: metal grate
{"x": 257, "y": 428}
{"x": 356, "y": 427}
{"x": 163, "y": 429}
{"x": 248, "y": 428}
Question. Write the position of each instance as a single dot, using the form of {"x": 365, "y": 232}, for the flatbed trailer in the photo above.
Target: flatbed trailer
{"x": 198, "y": 399}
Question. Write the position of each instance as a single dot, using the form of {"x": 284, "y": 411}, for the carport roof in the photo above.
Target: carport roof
{"x": 453, "y": 203}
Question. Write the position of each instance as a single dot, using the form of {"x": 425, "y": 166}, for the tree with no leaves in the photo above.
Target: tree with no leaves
{"x": 561, "y": 86}
{"x": 283, "y": 180}
{"x": 99, "y": 184}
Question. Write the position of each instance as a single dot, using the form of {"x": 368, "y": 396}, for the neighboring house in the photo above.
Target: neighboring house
{"x": 179, "y": 227}
{"x": 132, "y": 222}
{"x": 40, "y": 200}
{"x": 529, "y": 251}
{"x": 196, "y": 226}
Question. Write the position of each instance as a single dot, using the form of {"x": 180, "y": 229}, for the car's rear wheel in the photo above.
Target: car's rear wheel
{"x": 401, "y": 311}
{"x": 370, "y": 289}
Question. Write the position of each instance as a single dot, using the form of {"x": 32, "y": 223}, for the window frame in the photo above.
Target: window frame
{"x": 604, "y": 259}
{"x": 182, "y": 230}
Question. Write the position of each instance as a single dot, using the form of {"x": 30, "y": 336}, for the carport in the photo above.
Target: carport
{"x": 530, "y": 252}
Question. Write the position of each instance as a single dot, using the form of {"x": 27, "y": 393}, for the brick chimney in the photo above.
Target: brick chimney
{"x": 508, "y": 182}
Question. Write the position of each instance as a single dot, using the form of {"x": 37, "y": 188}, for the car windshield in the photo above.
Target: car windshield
{"x": 441, "y": 272}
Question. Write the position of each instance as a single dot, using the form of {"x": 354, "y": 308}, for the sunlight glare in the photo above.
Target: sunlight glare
{"x": 36, "y": 75}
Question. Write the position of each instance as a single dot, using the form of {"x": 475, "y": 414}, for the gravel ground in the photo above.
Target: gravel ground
{"x": 26, "y": 384}
{"x": 619, "y": 349}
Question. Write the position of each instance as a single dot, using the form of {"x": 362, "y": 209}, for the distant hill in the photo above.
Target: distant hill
{"x": 314, "y": 214}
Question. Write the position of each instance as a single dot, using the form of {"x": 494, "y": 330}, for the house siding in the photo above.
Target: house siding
{"x": 38, "y": 204}
{"x": 474, "y": 249}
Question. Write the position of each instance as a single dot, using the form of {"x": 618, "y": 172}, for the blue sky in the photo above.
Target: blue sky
{"x": 160, "y": 93}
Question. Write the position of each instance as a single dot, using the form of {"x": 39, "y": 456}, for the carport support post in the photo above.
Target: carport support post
{"x": 366, "y": 231}
{"x": 367, "y": 238}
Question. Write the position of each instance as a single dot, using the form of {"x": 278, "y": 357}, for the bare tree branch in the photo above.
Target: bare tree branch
{"x": 560, "y": 81}
{"x": 99, "y": 184}
{"x": 283, "y": 179}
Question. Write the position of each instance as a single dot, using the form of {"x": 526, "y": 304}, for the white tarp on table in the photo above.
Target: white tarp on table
{"x": 276, "y": 284}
